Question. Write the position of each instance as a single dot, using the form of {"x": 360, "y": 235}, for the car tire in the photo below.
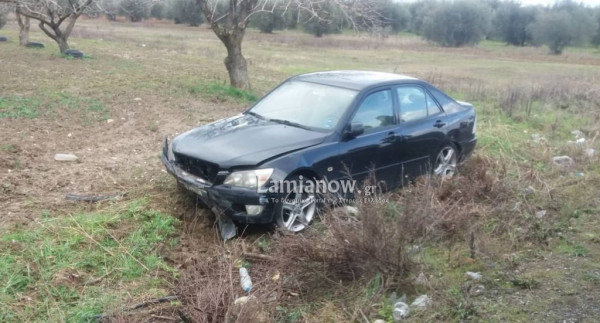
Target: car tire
{"x": 446, "y": 161}
{"x": 296, "y": 209}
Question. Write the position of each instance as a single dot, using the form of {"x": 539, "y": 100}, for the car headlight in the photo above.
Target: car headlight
{"x": 249, "y": 178}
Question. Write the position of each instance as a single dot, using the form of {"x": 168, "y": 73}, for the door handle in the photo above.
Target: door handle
{"x": 439, "y": 124}
{"x": 391, "y": 137}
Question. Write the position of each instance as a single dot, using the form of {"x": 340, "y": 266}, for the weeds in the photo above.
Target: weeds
{"x": 209, "y": 290}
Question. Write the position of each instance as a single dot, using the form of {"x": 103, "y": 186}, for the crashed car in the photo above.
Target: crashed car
{"x": 331, "y": 126}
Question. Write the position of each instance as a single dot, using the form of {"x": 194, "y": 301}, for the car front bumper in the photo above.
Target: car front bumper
{"x": 228, "y": 200}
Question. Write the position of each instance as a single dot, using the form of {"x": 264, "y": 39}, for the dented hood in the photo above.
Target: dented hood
{"x": 243, "y": 140}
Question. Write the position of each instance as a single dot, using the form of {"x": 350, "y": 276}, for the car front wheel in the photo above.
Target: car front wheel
{"x": 446, "y": 161}
{"x": 298, "y": 208}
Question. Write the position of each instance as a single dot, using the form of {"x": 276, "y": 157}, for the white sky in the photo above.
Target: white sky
{"x": 549, "y": 2}
{"x": 540, "y": 2}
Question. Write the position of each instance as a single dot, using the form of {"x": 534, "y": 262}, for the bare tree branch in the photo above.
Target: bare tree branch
{"x": 229, "y": 18}
{"x": 51, "y": 14}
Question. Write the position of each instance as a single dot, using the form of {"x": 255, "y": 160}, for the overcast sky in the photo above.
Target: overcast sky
{"x": 549, "y": 2}
{"x": 542, "y": 2}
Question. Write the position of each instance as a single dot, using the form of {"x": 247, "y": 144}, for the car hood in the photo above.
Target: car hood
{"x": 243, "y": 140}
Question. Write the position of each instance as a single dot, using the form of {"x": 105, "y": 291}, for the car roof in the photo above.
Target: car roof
{"x": 356, "y": 80}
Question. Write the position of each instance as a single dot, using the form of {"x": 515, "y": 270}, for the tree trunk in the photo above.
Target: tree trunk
{"x": 23, "y": 28}
{"x": 62, "y": 44}
{"x": 54, "y": 32}
{"x": 235, "y": 61}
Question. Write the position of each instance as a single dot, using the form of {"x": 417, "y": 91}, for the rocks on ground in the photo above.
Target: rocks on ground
{"x": 563, "y": 161}
{"x": 65, "y": 157}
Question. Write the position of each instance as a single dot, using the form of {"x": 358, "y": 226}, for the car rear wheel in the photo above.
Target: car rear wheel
{"x": 446, "y": 161}
{"x": 298, "y": 208}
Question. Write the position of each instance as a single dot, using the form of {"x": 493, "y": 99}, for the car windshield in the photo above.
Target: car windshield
{"x": 305, "y": 104}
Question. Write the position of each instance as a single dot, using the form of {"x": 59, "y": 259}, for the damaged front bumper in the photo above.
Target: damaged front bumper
{"x": 223, "y": 199}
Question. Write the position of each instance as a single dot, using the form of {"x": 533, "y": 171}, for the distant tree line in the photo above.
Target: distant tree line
{"x": 446, "y": 23}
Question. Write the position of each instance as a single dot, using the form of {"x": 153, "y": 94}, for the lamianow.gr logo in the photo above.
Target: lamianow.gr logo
{"x": 324, "y": 186}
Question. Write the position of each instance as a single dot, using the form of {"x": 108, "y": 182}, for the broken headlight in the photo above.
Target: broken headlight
{"x": 249, "y": 178}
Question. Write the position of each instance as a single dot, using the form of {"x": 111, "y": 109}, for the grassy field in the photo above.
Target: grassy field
{"x": 532, "y": 226}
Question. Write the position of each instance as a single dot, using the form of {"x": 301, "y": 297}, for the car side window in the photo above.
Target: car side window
{"x": 432, "y": 107}
{"x": 376, "y": 110}
{"x": 413, "y": 103}
{"x": 447, "y": 103}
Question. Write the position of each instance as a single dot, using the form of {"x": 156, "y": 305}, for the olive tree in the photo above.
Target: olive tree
{"x": 596, "y": 39}
{"x": 135, "y": 10}
{"x": 188, "y": 12}
{"x": 56, "y": 17}
{"x": 457, "y": 23}
{"x": 24, "y": 26}
{"x": 109, "y": 8}
{"x": 267, "y": 22}
{"x": 23, "y": 21}
{"x": 330, "y": 21}
{"x": 4, "y": 9}
{"x": 510, "y": 23}
{"x": 561, "y": 27}
{"x": 229, "y": 19}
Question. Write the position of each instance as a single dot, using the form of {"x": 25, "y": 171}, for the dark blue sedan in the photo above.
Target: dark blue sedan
{"x": 348, "y": 128}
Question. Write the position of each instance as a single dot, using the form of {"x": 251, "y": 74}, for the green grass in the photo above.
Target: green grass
{"x": 29, "y": 107}
{"x": 572, "y": 249}
{"x": 223, "y": 92}
{"x": 18, "y": 107}
{"x": 53, "y": 264}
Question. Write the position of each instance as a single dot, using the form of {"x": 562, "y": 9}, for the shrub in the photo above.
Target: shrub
{"x": 210, "y": 286}
{"x": 457, "y": 24}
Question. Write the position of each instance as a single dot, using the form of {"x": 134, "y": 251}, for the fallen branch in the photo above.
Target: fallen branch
{"x": 258, "y": 256}
{"x": 93, "y": 198}
{"x": 153, "y": 301}
{"x": 142, "y": 305}
{"x": 99, "y": 279}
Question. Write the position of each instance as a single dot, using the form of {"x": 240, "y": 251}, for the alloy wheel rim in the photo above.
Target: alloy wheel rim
{"x": 446, "y": 162}
{"x": 298, "y": 210}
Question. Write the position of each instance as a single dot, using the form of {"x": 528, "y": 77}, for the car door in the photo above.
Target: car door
{"x": 375, "y": 150}
{"x": 421, "y": 128}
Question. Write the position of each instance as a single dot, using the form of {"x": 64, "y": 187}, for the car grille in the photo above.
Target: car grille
{"x": 203, "y": 169}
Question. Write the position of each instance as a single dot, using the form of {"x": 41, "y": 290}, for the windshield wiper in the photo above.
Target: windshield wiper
{"x": 290, "y": 123}
{"x": 255, "y": 114}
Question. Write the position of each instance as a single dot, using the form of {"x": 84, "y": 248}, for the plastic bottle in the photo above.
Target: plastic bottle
{"x": 245, "y": 280}
{"x": 400, "y": 311}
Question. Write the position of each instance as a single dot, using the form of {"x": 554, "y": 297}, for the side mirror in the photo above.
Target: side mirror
{"x": 353, "y": 130}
